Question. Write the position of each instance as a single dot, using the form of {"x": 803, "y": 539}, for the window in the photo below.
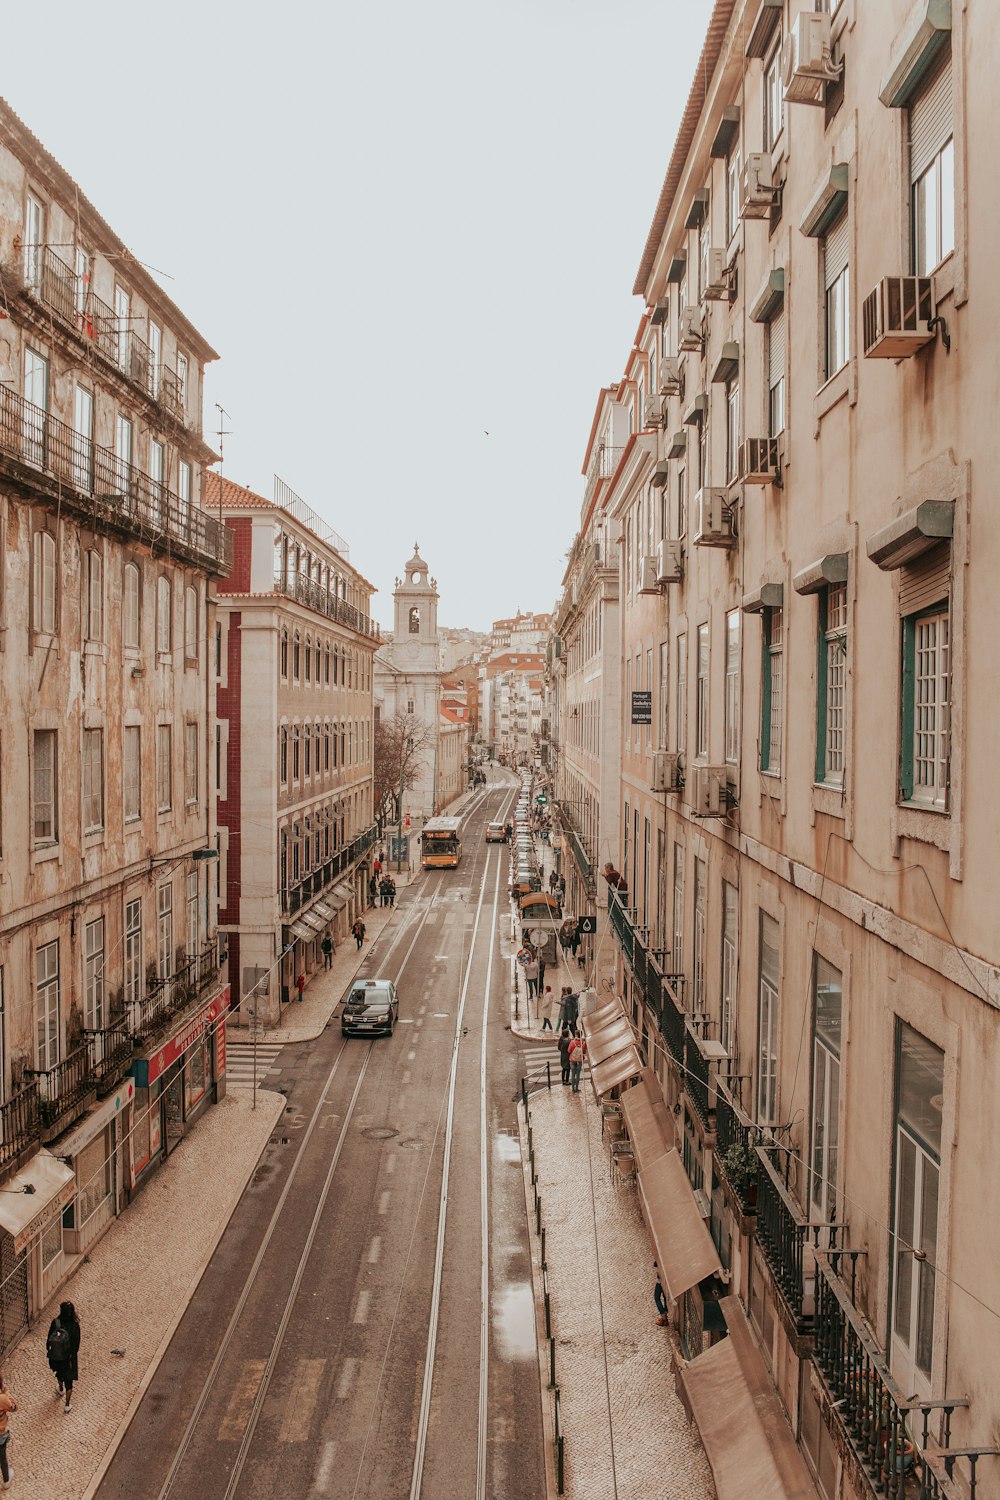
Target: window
{"x": 776, "y": 334}
{"x": 191, "y": 624}
{"x": 767, "y": 1023}
{"x": 45, "y": 812}
{"x": 47, "y": 1006}
{"x": 774, "y": 104}
{"x": 296, "y": 656}
{"x": 730, "y": 965}
{"x": 681, "y": 502}
{"x": 306, "y": 751}
{"x": 83, "y": 438}
{"x": 190, "y": 763}
{"x": 772, "y": 691}
{"x": 837, "y": 299}
{"x": 925, "y": 751}
{"x": 192, "y": 926}
{"x": 93, "y": 975}
{"x": 35, "y": 419}
{"x": 93, "y": 596}
{"x": 283, "y": 756}
{"x": 698, "y": 989}
{"x": 295, "y": 753}
{"x": 681, "y": 717}
{"x": 82, "y": 262}
{"x": 677, "y": 955}
{"x": 825, "y": 1127}
{"x": 164, "y": 789}
{"x": 155, "y": 358}
{"x": 184, "y": 489}
{"x": 123, "y": 454}
{"x": 164, "y": 622}
{"x": 132, "y": 773}
{"x": 832, "y": 676}
{"x": 732, "y": 704}
{"x": 932, "y": 171}
{"x": 283, "y": 655}
{"x": 123, "y": 317}
{"x": 182, "y": 382}
{"x": 43, "y": 603}
{"x": 701, "y": 694}
{"x": 664, "y": 693}
{"x": 132, "y": 607}
{"x": 732, "y": 432}
{"x": 414, "y": 620}
{"x": 165, "y": 930}
{"x": 919, "y": 1107}
{"x": 133, "y": 952}
{"x": 34, "y": 241}
{"x": 93, "y": 780}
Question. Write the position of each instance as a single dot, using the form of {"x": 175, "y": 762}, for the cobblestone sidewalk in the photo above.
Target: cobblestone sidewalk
{"x": 626, "y": 1431}
{"x": 176, "y": 1223}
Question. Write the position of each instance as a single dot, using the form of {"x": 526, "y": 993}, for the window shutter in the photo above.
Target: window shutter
{"x": 926, "y": 580}
{"x": 931, "y": 118}
{"x": 776, "y": 349}
{"x": 835, "y": 248}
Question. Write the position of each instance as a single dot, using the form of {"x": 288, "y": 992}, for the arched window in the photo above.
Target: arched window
{"x": 191, "y": 624}
{"x": 163, "y": 614}
{"x": 296, "y": 853}
{"x": 44, "y": 589}
{"x": 306, "y": 752}
{"x": 326, "y": 664}
{"x": 283, "y": 864}
{"x": 132, "y": 607}
{"x": 296, "y": 656}
{"x": 283, "y": 756}
{"x": 309, "y": 658}
{"x": 326, "y": 746}
{"x": 295, "y": 752}
{"x": 415, "y": 619}
{"x": 93, "y": 603}
{"x": 284, "y": 653}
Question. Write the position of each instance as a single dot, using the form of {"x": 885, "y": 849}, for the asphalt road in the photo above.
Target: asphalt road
{"x": 301, "y": 1365}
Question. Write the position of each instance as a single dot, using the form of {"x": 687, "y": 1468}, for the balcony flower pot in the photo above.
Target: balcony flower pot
{"x": 740, "y": 1164}
{"x": 905, "y": 1453}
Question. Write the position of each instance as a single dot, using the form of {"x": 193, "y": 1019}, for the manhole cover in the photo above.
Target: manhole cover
{"x": 409, "y": 1143}
{"x": 379, "y": 1133}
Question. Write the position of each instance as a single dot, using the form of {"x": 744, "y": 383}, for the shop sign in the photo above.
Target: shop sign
{"x": 49, "y": 1213}
{"x": 146, "y": 1070}
{"x": 98, "y": 1120}
{"x": 642, "y": 707}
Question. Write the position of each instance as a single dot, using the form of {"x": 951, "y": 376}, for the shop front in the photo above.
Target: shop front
{"x": 175, "y": 1084}
{"x": 95, "y": 1152}
{"x": 32, "y": 1256}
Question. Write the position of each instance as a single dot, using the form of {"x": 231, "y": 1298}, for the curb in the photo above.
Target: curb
{"x": 548, "y": 1414}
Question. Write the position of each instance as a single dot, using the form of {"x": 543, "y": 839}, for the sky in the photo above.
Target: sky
{"x": 410, "y": 230}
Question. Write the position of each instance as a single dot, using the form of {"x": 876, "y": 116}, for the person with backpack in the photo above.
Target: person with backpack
{"x": 358, "y": 931}
{"x": 7, "y": 1405}
{"x": 62, "y": 1347}
{"x": 327, "y": 947}
{"x": 577, "y": 1058}
{"x": 564, "y": 1041}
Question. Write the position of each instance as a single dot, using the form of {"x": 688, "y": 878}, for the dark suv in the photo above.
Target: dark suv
{"x": 370, "y": 1009}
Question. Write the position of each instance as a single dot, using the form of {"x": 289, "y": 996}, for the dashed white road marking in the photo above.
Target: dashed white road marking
{"x": 410, "y": 1056}
{"x": 390, "y": 1164}
{"x": 361, "y": 1310}
{"x": 324, "y": 1469}
{"x": 383, "y": 1203}
{"x": 346, "y": 1380}
{"x": 406, "y": 1076}
{"x": 375, "y": 1251}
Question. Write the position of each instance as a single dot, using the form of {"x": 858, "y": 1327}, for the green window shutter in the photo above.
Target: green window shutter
{"x": 822, "y": 650}
{"x": 765, "y": 693}
{"x": 906, "y": 717}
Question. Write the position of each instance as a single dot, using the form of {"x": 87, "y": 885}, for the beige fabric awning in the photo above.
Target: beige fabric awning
{"x": 602, "y": 1014}
{"x": 34, "y": 1197}
{"x": 616, "y": 1070}
{"x": 647, "y": 1121}
{"x": 748, "y": 1442}
{"x": 606, "y": 1041}
{"x": 684, "y": 1247}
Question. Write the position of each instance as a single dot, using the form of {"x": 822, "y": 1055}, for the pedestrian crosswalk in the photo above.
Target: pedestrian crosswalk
{"x": 540, "y": 1063}
{"x": 240, "y": 1063}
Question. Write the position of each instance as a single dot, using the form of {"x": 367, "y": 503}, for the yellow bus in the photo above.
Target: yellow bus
{"x": 440, "y": 844}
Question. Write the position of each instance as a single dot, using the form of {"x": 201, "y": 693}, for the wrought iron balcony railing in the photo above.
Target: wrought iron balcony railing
{"x": 50, "y": 455}
{"x": 111, "y": 1051}
{"x": 20, "y": 1123}
{"x": 170, "y": 993}
{"x": 697, "y": 1078}
{"x": 62, "y": 1086}
{"x": 324, "y": 875}
{"x": 659, "y": 990}
{"x": 312, "y": 594}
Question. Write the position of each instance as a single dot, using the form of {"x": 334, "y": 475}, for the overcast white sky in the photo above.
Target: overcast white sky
{"x": 402, "y": 225}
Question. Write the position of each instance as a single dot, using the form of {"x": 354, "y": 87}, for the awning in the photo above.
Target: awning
{"x": 911, "y": 534}
{"x": 34, "y": 1197}
{"x": 326, "y": 912}
{"x": 748, "y": 1442}
{"x": 647, "y": 1121}
{"x": 617, "y": 1070}
{"x": 684, "y": 1247}
{"x": 827, "y": 201}
{"x": 341, "y": 893}
{"x": 602, "y": 1014}
{"x": 313, "y": 921}
{"x": 829, "y": 569}
{"x": 768, "y": 596}
{"x": 604, "y": 1042}
{"x": 302, "y": 931}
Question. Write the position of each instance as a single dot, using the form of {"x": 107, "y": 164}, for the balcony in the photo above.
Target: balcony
{"x": 735, "y": 1155}
{"x": 165, "y": 997}
{"x": 888, "y": 1433}
{"x": 111, "y": 1050}
{"x": 20, "y": 1126}
{"x": 602, "y": 466}
{"x": 64, "y": 1090}
{"x": 327, "y": 873}
{"x": 44, "y": 457}
{"x": 314, "y": 596}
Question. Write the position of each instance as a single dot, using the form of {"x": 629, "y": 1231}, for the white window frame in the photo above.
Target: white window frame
{"x": 165, "y": 930}
{"x": 931, "y": 746}
{"x": 45, "y": 764}
{"x": 768, "y": 1021}
{"x": 47, "y": 1006}
{"x": 132, "y": 607}
{"x": 132, "y": 773}
{"x": 93, "y": 780}
{"x": 93, "y": 975}
{"x": 732, "y": 694}
{"x": 164, "y": 768}
{"x": 701, "y": 692}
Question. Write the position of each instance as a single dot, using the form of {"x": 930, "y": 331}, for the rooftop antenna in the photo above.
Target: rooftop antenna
{"x": 222, "y": 432}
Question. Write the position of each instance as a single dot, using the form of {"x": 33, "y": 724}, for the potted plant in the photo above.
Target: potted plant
{"x": 740, "y": 1164}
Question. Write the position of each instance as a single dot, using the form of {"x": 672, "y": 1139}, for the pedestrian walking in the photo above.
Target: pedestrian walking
{"x": 373, "y": 890}
{"x": 358, "y": 931}
{"x": 392, "y": 892}
{"x": 562, "y": 887}
{"x": 62, "y": 1347}
{"x": 531, "y": 975}
{"x": 577, "y": 1058}
{"x": 327, "y": 947}
{"x": 553, "y": 880}
{"x": 7, "y": 1405}
{"x": 564, "y": 1041}
{"x": 384, "y": 890}
{"x": 377, "y": 866}
{"x": 541, "y": 972}
{"x": 569, "y": 1006}
{"x": 300, "y": 985}
{"x": 659, "y": 1297}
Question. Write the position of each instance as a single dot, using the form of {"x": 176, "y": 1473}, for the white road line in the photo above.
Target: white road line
{"x": 361, "y": 1309}
{"x": 390, "y": 1165}
{"x": 346, "y": 1380}
{"x": 406, "y": 1076}
{"x": 410, "y": 1056}
{"x": 375, "y": 1250}
{"x": 324, "y": 1469}
{"x": 383, "y": 1203}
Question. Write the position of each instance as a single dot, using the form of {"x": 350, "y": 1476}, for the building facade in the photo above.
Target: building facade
{"x": 296, "y": 644}
{"x": 113, "y": 999}
{"x": 805, "y": 568}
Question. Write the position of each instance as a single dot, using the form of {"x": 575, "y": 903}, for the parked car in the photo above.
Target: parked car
{"x": 371, "y": 1008}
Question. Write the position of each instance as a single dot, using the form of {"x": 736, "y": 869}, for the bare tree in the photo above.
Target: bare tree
{"x": 399, "y": 749}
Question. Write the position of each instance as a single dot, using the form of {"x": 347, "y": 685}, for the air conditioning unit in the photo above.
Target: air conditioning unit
{"x": 714, "y": 519}
{"x": 648, "y": 583}
{"x": 669, "y": 561}
{"x": 895, "y": 317}
{"x": 807, "y": 64}
{"x": 689, "y": 330}
{"x": 666, "y": 771}
{"x": 669, "y": 376}
{"x": 717, "y": 282}
{"x": 759, "y": 461}
{"x": 656, "y": 410}
{"x": 709, "y": 792}
{"x": 758, "y": 194}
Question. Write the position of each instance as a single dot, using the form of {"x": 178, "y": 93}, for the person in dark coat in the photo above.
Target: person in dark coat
{"x": 564, "y": 1041}
{"x": 62, "y": 1347}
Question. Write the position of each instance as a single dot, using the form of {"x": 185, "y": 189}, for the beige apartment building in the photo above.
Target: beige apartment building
{"x": 806, "y": 569}
{"x": 112, "y": 999}
{"x": 296, "y": 644}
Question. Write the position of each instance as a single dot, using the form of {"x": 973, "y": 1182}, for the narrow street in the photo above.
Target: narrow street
{"x": 300, "y": 1364}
